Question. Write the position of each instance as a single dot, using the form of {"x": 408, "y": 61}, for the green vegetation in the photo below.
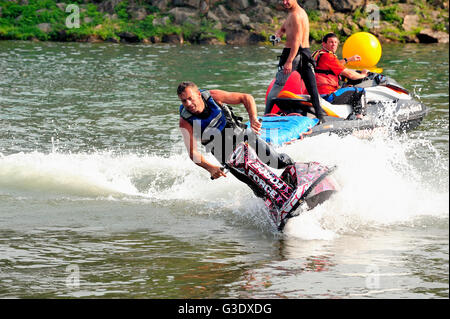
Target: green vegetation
{"x": 389, "y": 14}
{"x": 392, "y": 12}
{"x": 21, "y": 22}
{"x": 203, "y": 31}
{"x": 46, "y": 20}
{"x": 313, "y": 15}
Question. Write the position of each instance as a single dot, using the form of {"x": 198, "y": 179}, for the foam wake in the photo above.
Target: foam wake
{"x": 383, "y": 182}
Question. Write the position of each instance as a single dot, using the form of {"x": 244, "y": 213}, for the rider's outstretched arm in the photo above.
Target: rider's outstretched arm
{"x": 191, "y": 146}
{"x": 240, "y": 98}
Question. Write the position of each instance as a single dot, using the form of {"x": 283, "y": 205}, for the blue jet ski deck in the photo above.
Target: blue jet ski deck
{"x": 279, "y": 130}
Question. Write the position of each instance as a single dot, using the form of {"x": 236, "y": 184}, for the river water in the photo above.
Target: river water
{"x": 98, "y": 197}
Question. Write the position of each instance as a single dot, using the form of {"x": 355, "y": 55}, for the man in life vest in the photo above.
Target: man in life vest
{"x": 204, "y": 116}
{"x": 328, "y": 70}
{"x": 296, "y": 56}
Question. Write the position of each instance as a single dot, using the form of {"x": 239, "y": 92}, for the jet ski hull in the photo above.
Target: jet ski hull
{"x": 300, "y": 187}
{"x": 388, "y": 105}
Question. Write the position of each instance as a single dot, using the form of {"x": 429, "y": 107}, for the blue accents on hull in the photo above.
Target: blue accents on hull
{"x": 279, "y": 130}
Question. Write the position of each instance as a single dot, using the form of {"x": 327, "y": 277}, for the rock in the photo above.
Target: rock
{"x": 208, "y": 39}
{"x": 237, "y": 38}
{"x": 187, "y": 3}
{"x": 242, "y": 38}
{"x": 347, "y": 5}
{"x": 108, "y": 6}
{"x": 232, "y": 27}
{"x": 239, "y": 4}
{"x": 338, "y": 17}
{"x": 383, "y": 39}
{"x": 272, "y": 3}
{"x": 45, "y": 27}
{"x": 410, "y": 22}
{"x": 204, "y": 6}
{"x": 161, "y": 4}
{"x": 256, "y": 38}
{"x": 163, "y": 21}
{"x": 87, "y": 20}
{"x": 62, "y": 6}
{"x": 243, "y": 19}
{"x": 222, "y": 13}
{"x": 183, "y": 15}
{"x": 111, "y": 16}
{"x": 262, "y": 14}
{"x": 128, "y": 37}
{"x": 308, "y": 4}
{"x": 173, "y": 38}
{"x": 320, "y": 5}
{"x": 61, "y": 35}
{"x": 94, "y": 39}
{"x": 406, "y": 8}
{"x": 411, "y": 39}
{"x": 434, "y": 15}
{"x": 137, "y": 13}
{"x": 211, "y": 41}
{"x": 217, "y": 23}
{"x": 363, "y": 23}
{"x": 155, "y": 39}
{"x": 431, "y": 36}
{"x": 346, "y": 31}
{"x": 112, "y": 40}
{"x": 210, "y": 15}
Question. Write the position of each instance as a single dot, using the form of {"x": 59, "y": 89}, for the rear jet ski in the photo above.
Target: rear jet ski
{"x": 300, "y": 187}
{"x": 386, "y": 104}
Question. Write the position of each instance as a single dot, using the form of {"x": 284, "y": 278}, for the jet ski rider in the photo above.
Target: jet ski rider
{"x": 328, "y": 70}
{"x": 204, "y": 116}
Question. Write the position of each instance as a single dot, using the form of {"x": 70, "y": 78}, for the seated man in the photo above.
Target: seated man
{"x": 328, "y": 70}
{"x": 205, "y": 117}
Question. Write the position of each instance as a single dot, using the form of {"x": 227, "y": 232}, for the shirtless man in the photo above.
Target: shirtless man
{"x": 296, "y": 56}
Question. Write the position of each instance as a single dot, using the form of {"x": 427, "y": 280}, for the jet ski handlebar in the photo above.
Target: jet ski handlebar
{"x": 224, "y": 169}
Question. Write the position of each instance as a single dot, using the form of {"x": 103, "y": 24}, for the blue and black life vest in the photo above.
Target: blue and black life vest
{"x": 211, "y": 121}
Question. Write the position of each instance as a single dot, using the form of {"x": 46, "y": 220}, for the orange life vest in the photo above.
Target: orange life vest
{"x": 324, "y": 76}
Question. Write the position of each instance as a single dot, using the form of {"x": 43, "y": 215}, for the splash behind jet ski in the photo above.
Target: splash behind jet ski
{"x": 387, "y": 104}
{"x": 300, "y": 187}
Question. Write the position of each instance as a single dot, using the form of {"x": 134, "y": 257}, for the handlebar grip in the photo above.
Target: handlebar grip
{"x": 222, "y": 169}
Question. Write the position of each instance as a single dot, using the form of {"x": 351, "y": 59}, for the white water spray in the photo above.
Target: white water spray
{"x": 382, "y": 182}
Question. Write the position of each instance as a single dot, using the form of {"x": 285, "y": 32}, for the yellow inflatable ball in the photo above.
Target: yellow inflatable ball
{"x": 364, "y": 44}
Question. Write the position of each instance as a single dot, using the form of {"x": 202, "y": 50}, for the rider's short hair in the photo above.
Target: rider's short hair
{"x": 185, "y": 84}
{"x": 329, "y": 36}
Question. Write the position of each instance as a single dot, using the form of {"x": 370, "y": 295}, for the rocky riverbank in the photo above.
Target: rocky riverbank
{"x": 234, "y": 22}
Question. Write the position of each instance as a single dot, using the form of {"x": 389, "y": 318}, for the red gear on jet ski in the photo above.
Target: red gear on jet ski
{"x": 327, "y": 70}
